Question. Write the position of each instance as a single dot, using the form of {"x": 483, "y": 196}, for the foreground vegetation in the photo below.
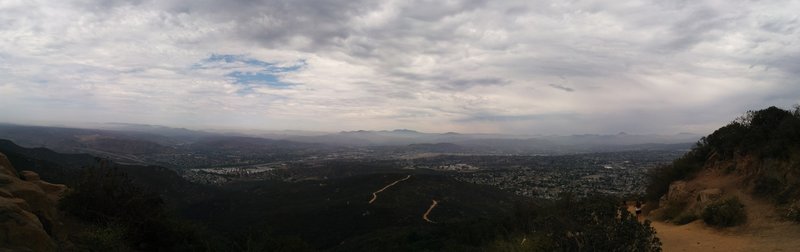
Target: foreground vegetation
{"x": 123, "y": 216}
{"x": 762, "y": 148}
{"x": 725, "y": 213}
{"x": 771, "y": 134}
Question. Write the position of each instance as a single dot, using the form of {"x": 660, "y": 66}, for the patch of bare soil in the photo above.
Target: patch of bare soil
{"x": 764, "y": 230}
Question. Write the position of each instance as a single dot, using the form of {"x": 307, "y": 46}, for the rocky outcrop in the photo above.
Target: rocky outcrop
{"x": 29, "y": 218}
{"x": 691, "y": 197}
{"x": 707, "y": 196}
{"x": 52, "y": 191}
{"x": 8, "y": 168}
{"x": 21, "y": 230}
{"x": 677, "y": 192}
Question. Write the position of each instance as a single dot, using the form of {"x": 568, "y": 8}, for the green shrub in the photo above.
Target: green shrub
{"x": 594, "y": 223}
{"x": 793, "y": 212}
{"x": 672, "y": 210}
{"x": 514, "y": 244}
{"x": 131, "y": 216}
{"x": 786, "y": 195}
{"x": 105, "y": 194}
{"x": 779, "y": 192}
{"x": 108, "y": 238}
{"x": 767, "y": 186}
{"x": 725, "y": 213}
{"x": 684, "y": 218}
{"x": 730, "y": 169}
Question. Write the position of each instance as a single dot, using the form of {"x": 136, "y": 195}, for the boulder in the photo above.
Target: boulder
{"x": 53, "y": 191}
{"x": 708, "y": 195}
{"x": 6, "y": 179}
{"x": 5, "y": 194}
{"x": 677, "y": 192}
{"x": 29, "y": 176}
{"x": 6, "y": 167}
{"x": 28, "y": 213}
{"x": 41, "y": 203}
{"x": 21, "y": 230}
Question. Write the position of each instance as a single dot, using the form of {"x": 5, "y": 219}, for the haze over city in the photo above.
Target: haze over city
{"x": 517, "y": 67}
{"x": 399, "y": 125}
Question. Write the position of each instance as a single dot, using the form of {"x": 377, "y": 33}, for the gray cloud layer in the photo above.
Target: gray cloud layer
{"x": 474, "y": 66}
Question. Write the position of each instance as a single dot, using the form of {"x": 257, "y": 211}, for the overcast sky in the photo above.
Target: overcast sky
{"x": 524, "y": 67}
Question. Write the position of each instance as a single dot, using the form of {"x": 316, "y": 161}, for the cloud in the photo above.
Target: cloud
{"x": 474, "y": 66}
{"x": 524, "y": 118}
{"x": 249, "y": 73}
{"x": 561, "y": 87}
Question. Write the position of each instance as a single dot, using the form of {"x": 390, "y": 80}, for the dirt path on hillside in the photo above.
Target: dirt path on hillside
{"x": 696, "y": 237}
{"x": 425, "y": 215}
{"x": 760, "y": 234}
{"x": 375, "y": 194}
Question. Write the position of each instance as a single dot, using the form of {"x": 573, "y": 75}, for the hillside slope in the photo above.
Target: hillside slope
{"x": 761, "y": 233}
{"x": 760, "y": 150}
{"x": 738, "y": 189}
{"x": 149, "y": 208}
{"x": 327, "y": 213}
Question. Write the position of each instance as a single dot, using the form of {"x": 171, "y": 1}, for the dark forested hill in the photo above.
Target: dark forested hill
{"x": 153, "y": 208}
{"x": 328, "y": 213}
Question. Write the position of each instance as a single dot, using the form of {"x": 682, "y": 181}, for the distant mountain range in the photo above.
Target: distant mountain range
{"x": 127, "y": 142}
{"x": 405, "y": 137}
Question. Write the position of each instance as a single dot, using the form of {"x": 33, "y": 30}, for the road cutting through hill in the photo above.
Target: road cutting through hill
{"x": 375, "y": 194}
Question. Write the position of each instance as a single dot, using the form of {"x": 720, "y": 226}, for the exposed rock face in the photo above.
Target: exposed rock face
{"x": 9, "y": 169}
{"x": 52, "y": 191}
{"x": 21, "y": 230}
{"x": 694, "y": 198}
{"x": 28, "y": 213}
{"x": 706, "y": 196}
{"x": 677, "y": 192}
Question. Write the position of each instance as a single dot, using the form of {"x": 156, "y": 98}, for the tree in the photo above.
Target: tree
{"x": 593, "y": 223}
{"x": 106, "y": 197}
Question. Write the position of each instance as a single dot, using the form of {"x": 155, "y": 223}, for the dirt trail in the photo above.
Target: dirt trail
{"x": 425, "y": 215}
{"x": 764, "y": 230}
{"x": 696, "y": 237}
{"x": 762, "y": 233}
{"x": 375, "y": 194}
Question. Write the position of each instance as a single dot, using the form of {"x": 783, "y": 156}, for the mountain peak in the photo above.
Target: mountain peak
{"x": 405, "y": 131}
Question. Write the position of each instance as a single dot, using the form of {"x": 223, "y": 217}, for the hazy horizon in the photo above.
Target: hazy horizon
{"x": 295, "y": 132}
{"x": 522, "y": 68}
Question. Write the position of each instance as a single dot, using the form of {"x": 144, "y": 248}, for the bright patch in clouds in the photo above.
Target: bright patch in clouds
{"x": 469, "y": 66}
{"x": 249, "y": 73}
